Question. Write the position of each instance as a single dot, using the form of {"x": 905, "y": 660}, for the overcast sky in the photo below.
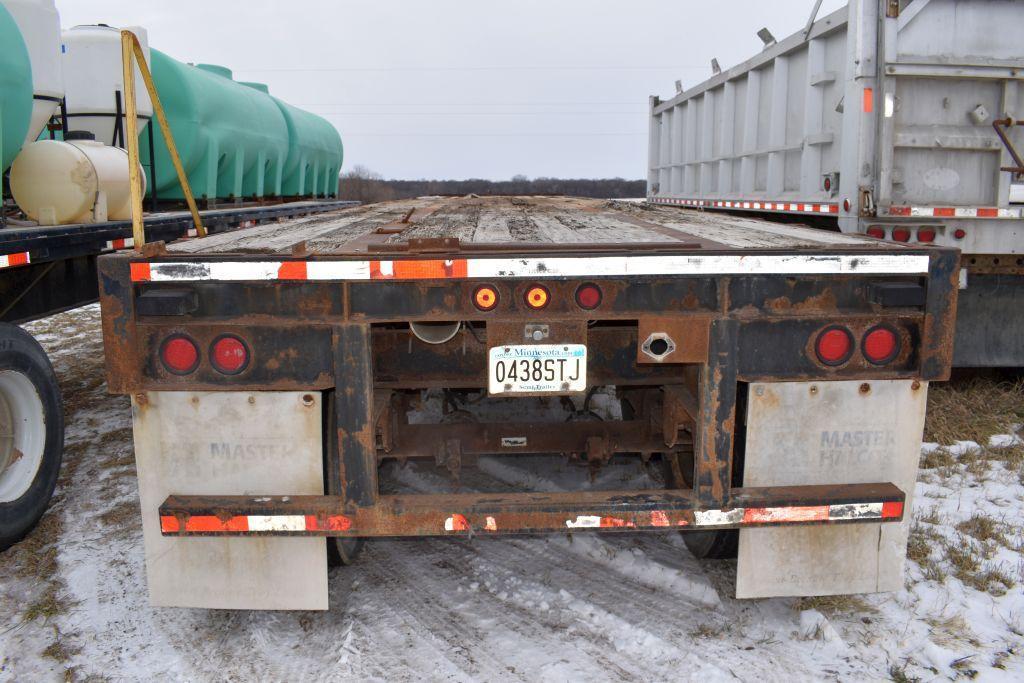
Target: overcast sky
{"x": 461, "y": 89}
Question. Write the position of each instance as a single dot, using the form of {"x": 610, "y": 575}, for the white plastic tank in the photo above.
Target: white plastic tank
{"x": 40, "y": 28}
{"x": 94, "y": 77}
{"x": 78, "y": 181}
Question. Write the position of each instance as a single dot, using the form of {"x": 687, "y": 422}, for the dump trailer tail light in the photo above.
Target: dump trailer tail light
{"x": 537, "y": 297}
{"x": 485, "y": 298}
{"x": 180, "y": 355}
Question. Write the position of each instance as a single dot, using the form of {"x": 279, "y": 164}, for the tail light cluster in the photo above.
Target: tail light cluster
{"x": 922, "y": 235}
{"x": 836, "y": 345}
{"x": 228, "y": 355}
{"x": 588, "y": 296}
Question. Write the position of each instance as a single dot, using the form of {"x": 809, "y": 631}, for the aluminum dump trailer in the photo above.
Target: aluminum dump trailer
{"x": 896, "y": 119}
{"x": 774, "y": 375}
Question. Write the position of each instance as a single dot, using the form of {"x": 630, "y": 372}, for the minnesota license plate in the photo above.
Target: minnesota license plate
{"x": 538, "y": 369}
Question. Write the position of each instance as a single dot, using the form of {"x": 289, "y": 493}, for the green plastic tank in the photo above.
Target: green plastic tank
{"x": 15, "y": 89}
{"x": 315, "y": 154}
{"x": 232, "y": 139}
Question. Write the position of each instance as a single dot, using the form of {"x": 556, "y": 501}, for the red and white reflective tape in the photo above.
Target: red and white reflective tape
{"x": 12, "y": 260}
{"x": 951, "y": 212}
{"x": 751, "y": 205}
{"x": 542, "y": 267}
{"x": 254, "y": 523}
{"x": 457, "y": 522}
{"x": 124, "y": 243}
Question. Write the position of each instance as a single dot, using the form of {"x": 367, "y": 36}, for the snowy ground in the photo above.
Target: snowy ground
{"x": 73, "y": 598}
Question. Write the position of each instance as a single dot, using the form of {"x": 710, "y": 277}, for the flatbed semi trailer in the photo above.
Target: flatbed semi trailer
{"x": 777, "y": 374}
{"x": 47, "y": 270}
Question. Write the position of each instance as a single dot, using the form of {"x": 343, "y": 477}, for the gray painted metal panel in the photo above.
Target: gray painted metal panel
{"x": 844, "y": 436}
{"x": 899, "y": 107}
{"x": 230, "y": 443}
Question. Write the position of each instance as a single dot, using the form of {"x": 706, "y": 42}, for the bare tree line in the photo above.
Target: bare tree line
{"x": 363, "y": 184}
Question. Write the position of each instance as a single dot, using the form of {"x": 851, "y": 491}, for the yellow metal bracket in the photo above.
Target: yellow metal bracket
{"x": 131, "y": 56}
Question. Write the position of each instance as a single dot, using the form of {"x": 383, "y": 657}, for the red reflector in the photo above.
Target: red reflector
{"x": 892, "y": 510}
{"x": 229, "y": 355}
{"x": 179, "y": 355}
{"x": 834, "y": 346}
{"x": 876, "y": 232}
{"x": 881, "y": 345}
{"x": 588, "y": 296}
{"x": 960, "y": 233}
{"x": 901, "y": 234}
{"x": 925, "y": 235}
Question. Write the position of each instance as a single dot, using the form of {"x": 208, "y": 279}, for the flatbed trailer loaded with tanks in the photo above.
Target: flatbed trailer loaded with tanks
{"x": 47, "y": 270}
{"x": 777, "y": 374}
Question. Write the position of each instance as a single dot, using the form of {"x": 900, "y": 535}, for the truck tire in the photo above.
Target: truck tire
{"x": 341, "y": 552}
{"x": 31, "y": 433}
{"x": 705, "y": 545}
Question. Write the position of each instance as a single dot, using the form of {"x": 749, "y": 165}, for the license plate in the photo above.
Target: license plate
{"x": 538, "y": 369}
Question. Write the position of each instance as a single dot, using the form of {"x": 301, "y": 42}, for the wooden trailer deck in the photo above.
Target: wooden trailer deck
{"x": 517, "y": 221}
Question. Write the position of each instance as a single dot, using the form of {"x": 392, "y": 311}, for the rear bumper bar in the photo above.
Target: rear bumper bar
{"x": 486, "y": 513}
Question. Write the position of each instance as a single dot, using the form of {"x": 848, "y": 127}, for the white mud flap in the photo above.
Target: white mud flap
{"x": 830, "y": 433}
{"x": 233, "y": 444}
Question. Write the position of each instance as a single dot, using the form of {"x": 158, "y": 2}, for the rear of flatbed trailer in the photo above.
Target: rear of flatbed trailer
{"x": 778, "y": 373}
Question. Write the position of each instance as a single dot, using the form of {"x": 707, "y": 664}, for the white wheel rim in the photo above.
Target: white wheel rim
{"x": 22, "y": 434}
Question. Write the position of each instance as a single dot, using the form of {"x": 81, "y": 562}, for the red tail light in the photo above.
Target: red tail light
{"x": 877, "y": 232}
{"x": 180, "y": 355}
{"x": 960, "y": 233}
{"x": 229, "y": 355}
{"x": 881, "y": 345}
{"x": 901, "y": 234}
{"x": 925, "y": 235}
{"x": 588, "y": 296}
{"x": 834, "y": 346}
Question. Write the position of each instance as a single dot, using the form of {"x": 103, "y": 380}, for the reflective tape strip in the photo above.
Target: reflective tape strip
{"x": 12, "y": 260}
{"x": 952, "y": 212}
{"x": 538, "y": 267}
{"x": 751, "y": 205}
{"x": 855, "y": 511}
{"x": 255, "y": 524}
{"x": 126, "y": 243}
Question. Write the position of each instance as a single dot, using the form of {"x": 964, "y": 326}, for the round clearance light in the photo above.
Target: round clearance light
{"x": 229, "y": 355}
{"x": 876, "y": 231}
{"x": 926, "y": 235}
{"x": 901, "y": 234}
{"x": 537, "y": 297}
{"x": 485, "y": 298}
{"x": 588, "y": 296}
{"x": 179, "y": 354}
{"x": 960, "y": 233}
{"x": 881, "y": 345}
{"x": 834, "y": 346}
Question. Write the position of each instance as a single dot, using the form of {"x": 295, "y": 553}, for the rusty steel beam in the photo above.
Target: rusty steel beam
{"x": 493, "y": 513}
{"x": 716, "y": 421}
{"x": 353, "y": 405}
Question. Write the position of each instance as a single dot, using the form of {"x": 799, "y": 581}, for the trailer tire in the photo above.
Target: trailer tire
{"x": 723, "y": 544}
{"x": 31, "y": 433}
{"x": 341, "y": 552}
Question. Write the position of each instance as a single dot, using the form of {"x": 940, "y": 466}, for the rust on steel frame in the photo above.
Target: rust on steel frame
{"x": 318, "y": 336}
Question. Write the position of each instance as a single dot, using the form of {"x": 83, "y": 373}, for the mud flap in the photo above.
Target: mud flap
{"x": 830, "y": 433}
{"x": 230, "y": 443}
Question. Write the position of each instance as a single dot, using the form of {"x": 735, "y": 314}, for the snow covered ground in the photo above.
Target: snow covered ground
{"x": 590, "y": 607}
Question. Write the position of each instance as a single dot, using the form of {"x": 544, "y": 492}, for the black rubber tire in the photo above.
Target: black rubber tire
{"x": 341, "y": 552}
{"x": 19, "y": 352}
{"x": 723, "y": 544}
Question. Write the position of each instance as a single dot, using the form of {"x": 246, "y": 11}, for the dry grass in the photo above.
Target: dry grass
{"x": 984, "y": 528}
{"x": 951, "y": 631}
{"x": 831, "y": 605}
{"x": 974, "y": 410}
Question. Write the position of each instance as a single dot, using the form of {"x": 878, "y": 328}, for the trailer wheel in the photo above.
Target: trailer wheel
{"x": 705, "y": 545}
{"x": 31, "y": 433}
{"x": 341, "y": 552}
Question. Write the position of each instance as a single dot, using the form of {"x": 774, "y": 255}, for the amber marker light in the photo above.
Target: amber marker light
{"x": 485, "y": 298}
{"x": 537, "y": 297}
